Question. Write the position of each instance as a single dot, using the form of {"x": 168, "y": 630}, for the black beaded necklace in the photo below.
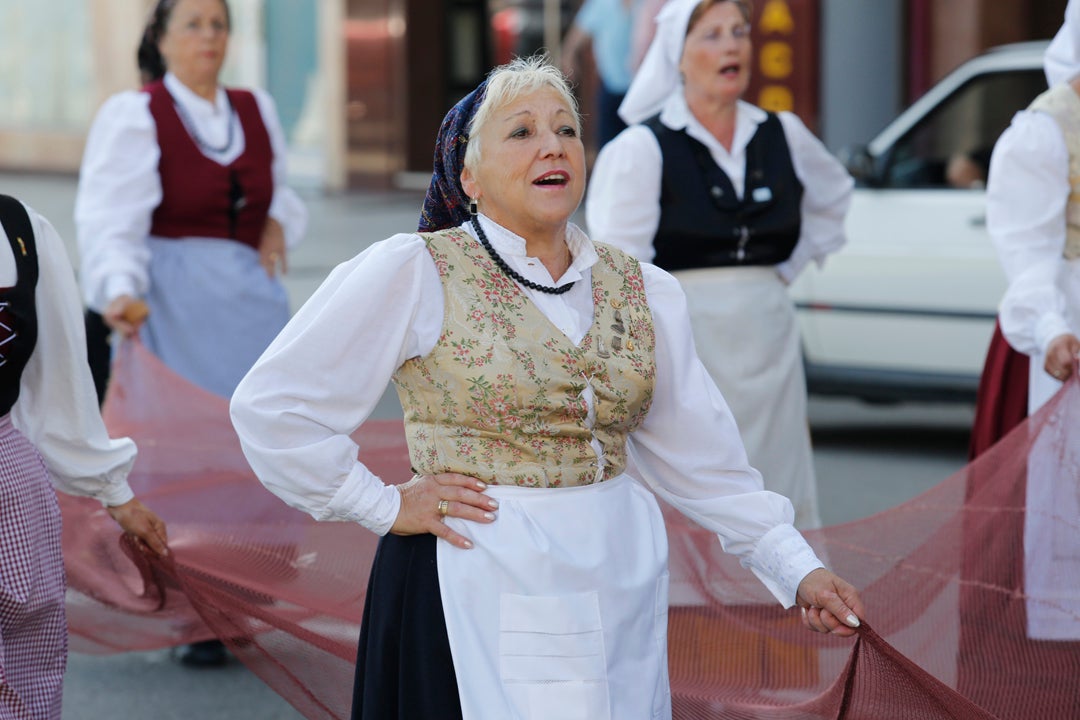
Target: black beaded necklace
{"x": 509, "y": 271}
{"x": 190, "y": 126}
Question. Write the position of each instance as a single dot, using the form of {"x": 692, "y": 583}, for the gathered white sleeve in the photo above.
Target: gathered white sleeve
{"x": 689, "y": 452}
{"x": 827, "y": 188}
{"x": 623, "y": 204}
{"x": 1026, "y": 193}
{"x": 57, "y": 408}
{"x": 321, "y": 378}
{"x": 286, "y": 206}
{"x": 119, "y": 188}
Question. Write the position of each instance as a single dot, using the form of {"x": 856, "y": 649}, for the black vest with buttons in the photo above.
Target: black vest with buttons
{"x": 703, "y": 223}
{"x": 18, "y": 311}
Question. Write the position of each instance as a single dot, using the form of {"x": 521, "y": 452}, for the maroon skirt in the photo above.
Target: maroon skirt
{"x": 33, "y": 630}
{"x": 1002, "y": 400}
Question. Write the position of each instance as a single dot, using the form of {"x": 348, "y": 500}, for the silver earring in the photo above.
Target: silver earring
{"x": 472, "y": 206}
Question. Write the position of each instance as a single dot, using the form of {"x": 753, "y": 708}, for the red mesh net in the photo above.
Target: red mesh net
{"x": 945, "y": 577}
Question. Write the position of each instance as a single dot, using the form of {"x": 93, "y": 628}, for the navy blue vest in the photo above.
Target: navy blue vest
{"x": 18, "y": 310}
{"x": 703, "y": 223}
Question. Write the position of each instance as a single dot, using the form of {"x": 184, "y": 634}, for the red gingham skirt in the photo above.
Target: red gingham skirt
{"x": 33, "y": 629}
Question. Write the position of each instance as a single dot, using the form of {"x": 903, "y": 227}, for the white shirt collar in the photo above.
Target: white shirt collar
{"x": 677, "y": 116}
{"x": 192, "y": 102}
{"x": 512, "y": 246}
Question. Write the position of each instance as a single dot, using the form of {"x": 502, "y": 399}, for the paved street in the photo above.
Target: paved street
{"x": 868, "y": 458}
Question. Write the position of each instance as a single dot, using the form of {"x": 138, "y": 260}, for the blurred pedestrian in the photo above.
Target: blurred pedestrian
{"x": 607, "y": 25}
{"x": 737, "y": 202}
{"x": 1034, "y": 220}
{"x": 50, "y": 433}
{"x": 1033, "y": 217}
{"x": 1004, "y": 396}
{"x": 182, "y": 202}
{"x": 643, "y": 30}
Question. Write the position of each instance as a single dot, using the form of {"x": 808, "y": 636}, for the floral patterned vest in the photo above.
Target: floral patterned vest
{"x": 1061, "y": 103}
{"x": 501, "y": 396}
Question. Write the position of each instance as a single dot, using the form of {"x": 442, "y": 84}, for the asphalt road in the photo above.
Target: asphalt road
{"x": 868, "y": 459}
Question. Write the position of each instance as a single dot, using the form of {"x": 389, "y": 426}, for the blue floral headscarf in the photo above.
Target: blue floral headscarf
{"x": 446, "y": 204}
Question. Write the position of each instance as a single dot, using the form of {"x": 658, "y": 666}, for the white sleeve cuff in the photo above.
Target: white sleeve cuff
{"x": 117, "y": 285}
{"x": 1050, "y": 326}
{"x": 787, "y": 271}
{"x": 373, "y": 505}
{"x": 116, "y": 494}
{"x": 781, "y": 560}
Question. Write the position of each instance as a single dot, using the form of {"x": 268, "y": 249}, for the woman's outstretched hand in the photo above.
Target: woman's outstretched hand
{"x": 829, "y": 604}
{"x": 1061, "y": 356}
{"x": 427, "y": 499}
{"x": 272, "y": 254}
{"x": 140, "y": 521}
{"x": 125, "y": 314}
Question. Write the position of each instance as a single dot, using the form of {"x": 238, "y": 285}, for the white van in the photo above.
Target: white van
{"x": 906, "y": 309}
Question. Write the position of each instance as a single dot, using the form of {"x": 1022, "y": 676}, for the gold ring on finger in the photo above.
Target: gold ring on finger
{"x": 444, "y": 508}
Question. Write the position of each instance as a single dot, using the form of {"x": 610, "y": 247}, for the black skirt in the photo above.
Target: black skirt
{"x": 404, "y": 670}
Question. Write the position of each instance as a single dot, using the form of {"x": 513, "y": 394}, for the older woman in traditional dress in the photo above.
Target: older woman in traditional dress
{"x": 736, "y": 202}
{"x": 532, "y": 364}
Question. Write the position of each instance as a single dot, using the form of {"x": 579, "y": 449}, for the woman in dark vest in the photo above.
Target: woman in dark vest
{"x": 182, "y": 204}
{"x": 50, "y": 433}
{"x": 735, "y": 201}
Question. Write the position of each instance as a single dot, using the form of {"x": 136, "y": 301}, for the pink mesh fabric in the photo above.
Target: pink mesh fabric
{"x": 943, "y": 576}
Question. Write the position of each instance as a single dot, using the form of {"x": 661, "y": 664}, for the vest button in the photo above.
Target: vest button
{"x": 717, "y": 191}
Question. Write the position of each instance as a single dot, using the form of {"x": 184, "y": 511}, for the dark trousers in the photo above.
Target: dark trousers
{"x": 98, "y": 351}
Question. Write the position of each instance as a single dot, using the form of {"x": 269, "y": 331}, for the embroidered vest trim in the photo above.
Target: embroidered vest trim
{"x": 502, "y": 396}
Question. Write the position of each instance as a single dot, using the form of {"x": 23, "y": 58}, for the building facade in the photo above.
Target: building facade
{"x": 362, "y": 85}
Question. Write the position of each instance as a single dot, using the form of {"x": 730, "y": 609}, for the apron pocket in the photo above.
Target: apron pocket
{"x": 551, "y": 656}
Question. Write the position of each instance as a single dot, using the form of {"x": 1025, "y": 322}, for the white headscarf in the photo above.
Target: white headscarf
{"x": 1062, "y": 59}
{"x": 658, "y": 75}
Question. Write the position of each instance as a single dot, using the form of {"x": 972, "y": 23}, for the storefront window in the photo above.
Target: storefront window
{"x": 45, "y": 65}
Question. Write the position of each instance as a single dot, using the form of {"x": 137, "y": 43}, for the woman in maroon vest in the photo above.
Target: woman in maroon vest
{"x": 182, "y": 204}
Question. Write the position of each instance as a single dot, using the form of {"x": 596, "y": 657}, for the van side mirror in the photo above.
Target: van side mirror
{"x": 859, "y": 162}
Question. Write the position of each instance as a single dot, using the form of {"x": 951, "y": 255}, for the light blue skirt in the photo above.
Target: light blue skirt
{"x": 213, "y": 310}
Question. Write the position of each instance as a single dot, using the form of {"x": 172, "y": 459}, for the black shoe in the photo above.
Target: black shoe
{"x": 208, "y": 653}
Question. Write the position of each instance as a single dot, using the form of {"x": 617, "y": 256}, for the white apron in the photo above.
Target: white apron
{"x": 747, "y": 337}
{"x": 1052, "y": 549}
{"x": 559, "y": 611}
{"x": 213, "y": 310}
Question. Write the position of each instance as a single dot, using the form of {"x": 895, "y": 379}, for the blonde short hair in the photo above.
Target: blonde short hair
{"x": 507, "y": 83}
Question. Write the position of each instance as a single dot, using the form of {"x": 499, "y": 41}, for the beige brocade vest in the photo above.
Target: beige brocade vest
{"x": 500, "y": 397}
{"x": 1061, "y": 103}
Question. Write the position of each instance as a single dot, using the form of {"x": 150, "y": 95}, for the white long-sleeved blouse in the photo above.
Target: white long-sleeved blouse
{"x": 623, "y": 203}
{"x": 57, "y": 408}
{"x": 1026, "y": 193}
{"x": 325, "y": 372}
{"x": 119, "y": 185}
